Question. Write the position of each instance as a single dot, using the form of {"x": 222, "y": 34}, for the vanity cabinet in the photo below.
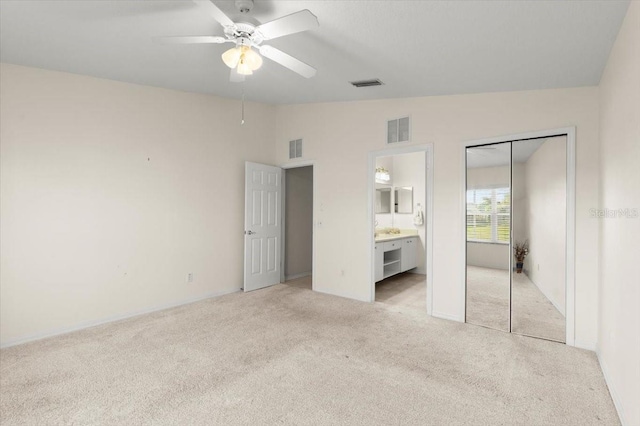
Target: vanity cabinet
{"x": 396, "y": 256}
{"x": 379, "y": 252}
{"x": 409, "y": 253}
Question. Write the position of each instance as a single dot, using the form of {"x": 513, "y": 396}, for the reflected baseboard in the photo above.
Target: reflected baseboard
{"x": 447, "y": 316}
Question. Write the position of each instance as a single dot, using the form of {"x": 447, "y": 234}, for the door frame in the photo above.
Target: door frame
{"x": 428, "y": 213}
{"x": 570, "y": 249}
{"x": 284, "y": 167}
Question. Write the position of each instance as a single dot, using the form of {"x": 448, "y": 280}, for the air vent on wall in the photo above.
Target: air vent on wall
{"x": 367, "y": 83}
{"x": 398, "y": 130}
{"x": 295, "y": 148}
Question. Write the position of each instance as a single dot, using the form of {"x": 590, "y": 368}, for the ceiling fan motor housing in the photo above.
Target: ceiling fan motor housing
{"x": 242, "y": 32}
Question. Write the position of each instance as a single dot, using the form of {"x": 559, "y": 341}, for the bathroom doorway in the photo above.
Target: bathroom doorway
{"x": 297, "y": 270}
{"x": 400, "y": 188}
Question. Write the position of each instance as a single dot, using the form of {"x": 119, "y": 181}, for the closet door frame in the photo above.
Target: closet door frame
{"x": 570, "y": 282}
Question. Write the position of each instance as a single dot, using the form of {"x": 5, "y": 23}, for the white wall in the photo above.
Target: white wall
{"x": 410, "y": 170}
{"x": 112, "y": 193}
{"x": 546, "y": 216}
{"x": 385, "y": 220}
{"x": 619, "y": 342}
{"x": 299, "y": 222}
{"x": 519, "y": 203}
{"x": 339, "y": 136}
{"x": 488, "y": 255}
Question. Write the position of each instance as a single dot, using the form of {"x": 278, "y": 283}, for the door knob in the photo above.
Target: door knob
{"x": 249, "y": 232}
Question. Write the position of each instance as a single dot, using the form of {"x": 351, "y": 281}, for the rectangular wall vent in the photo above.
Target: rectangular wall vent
{"x": 398, "y": 130}
{"x": 295, "y": 148}
{"x": 367, "y": 83}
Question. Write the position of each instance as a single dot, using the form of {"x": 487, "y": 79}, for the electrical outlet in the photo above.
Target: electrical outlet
{"x": 190, "y": 277}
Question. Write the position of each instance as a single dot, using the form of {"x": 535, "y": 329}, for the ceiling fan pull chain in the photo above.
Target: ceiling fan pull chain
{"x": 242, "y": 121}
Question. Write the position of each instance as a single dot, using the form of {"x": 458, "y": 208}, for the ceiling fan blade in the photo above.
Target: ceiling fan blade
{"x": 288, "y": 61}
{"x": 290, "y": 24}
{"x": 215, "y": 12}
{"x": 191, "y": 40}
{"x": 235, "y": 76}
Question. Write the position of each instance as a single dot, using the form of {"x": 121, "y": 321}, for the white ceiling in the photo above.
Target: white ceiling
{"x": 417, "y": 48}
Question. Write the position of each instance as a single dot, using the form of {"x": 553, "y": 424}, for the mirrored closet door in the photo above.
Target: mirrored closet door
{"x": 488, "y": 235}
{"x": 516, "y": 236}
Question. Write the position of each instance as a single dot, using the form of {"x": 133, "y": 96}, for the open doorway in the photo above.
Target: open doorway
{"x": 400, "y": 215}
{"x": 298, "y": 227}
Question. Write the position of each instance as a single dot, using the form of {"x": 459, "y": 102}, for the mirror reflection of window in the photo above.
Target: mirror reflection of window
{"x": 488, "y": 214}
{"x": 488, "y": 230}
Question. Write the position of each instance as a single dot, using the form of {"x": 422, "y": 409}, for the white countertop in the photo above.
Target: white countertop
{"x": 404, "y": 233}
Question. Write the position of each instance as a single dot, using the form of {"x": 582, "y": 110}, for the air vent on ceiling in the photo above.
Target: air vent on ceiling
{"x": 367, "y": 83}
{"x": 398, "y": 130}
{"x": 295, "y": 148}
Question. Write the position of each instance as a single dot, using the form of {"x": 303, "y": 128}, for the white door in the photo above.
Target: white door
{"x": 262, "y": 227}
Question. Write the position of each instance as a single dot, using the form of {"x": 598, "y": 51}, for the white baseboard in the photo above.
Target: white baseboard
{"x": 555, "y": 304}
{"x": 612, "y": 390}
{"x": 343, "y": 295}
{"x": 447, "y": 316}
{"x": 93, "y": 323}
{"x": 296, "y": 276}
{"x": 590, "y": 346}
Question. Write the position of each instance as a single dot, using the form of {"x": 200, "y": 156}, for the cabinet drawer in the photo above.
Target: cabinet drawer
{"x": 392, "y": 245}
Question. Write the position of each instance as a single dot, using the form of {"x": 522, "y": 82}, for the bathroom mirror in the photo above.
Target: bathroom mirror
{"x": 539, "y": 214}
{"x": 383, "y": 200}
{"x": 488, "y": 228}
{"x": 403, "y": 199}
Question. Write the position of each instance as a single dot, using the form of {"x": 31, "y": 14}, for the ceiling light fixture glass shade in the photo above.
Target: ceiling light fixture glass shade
{"x": 244, "y": 58}
{"x": 382, "y": 175}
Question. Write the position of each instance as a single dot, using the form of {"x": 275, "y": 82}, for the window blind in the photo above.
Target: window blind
{"x": 489, "y": 215}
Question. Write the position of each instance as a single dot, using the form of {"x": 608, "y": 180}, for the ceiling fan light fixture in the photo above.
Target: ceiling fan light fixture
{"x": 231, "y": 57}
{"x": 251, "y": 58}
{"x": 242, "y": 57}
{"x": 244, "y": 69}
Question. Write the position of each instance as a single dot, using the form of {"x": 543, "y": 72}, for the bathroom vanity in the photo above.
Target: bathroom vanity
{"x": 395, "y": 253}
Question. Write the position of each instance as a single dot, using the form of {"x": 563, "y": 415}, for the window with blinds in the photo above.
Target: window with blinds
{"x": 488, "y": 215}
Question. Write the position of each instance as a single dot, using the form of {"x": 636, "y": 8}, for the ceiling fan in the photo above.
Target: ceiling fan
{"x": 243, "y": 59}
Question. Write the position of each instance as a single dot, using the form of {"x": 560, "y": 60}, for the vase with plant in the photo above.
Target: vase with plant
{"x": 520, "y": 251}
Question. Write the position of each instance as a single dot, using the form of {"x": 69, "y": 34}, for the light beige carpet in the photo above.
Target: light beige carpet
{"x": 488, "y": 297}
{"x": 303, "y": 283}
{"x": 406, "y": 289}
{"x": 532, "y": 313}
{"x": 283, "y": 355}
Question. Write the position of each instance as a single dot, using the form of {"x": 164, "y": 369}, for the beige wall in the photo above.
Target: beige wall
{"x": 112, "y": 193}
{"x": 299, "y": 222}
{"x": 385, "y": 220}
{"x": 339, "y": 136}
{"x": 410, "y": 170}
{"x": 619, "y": 342}
{"x": 546, "y": 218}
